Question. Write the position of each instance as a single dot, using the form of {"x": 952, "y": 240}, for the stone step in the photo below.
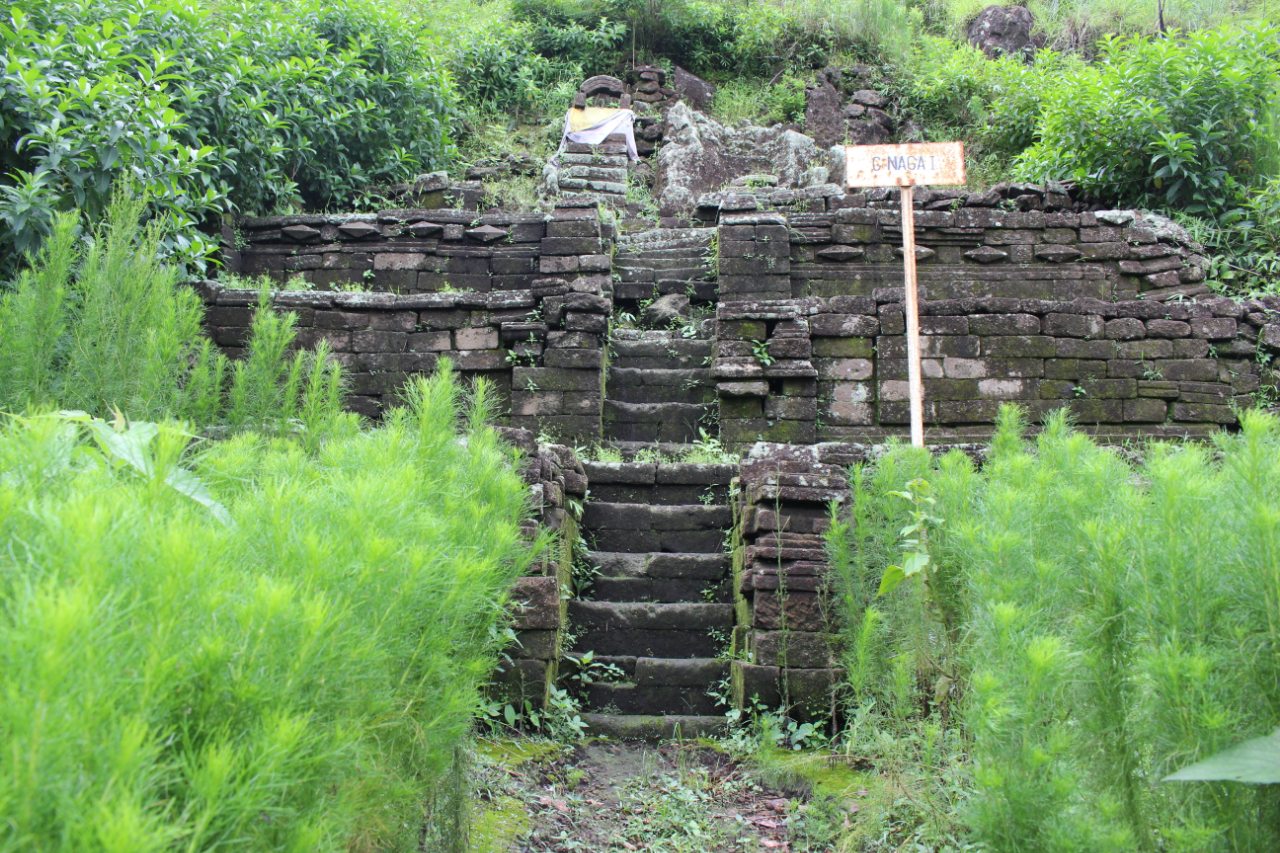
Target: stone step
{"x": 653, "y": 728}
{"x": 671, "y": 348}
{"x": 706, "y": 291}
{"x": 656, "y": 700}
{"x": 677, "y": 422}
{"x": 664, "y": 495}
{"x": 648, "y": 629}
{"x": 698, "y": 394}
{"x": 677, "y": 377}
{"x": 703, "y": 567}
{"x": 660, "y": 473}
{"x": 600, "y": 515}
{"x": 693, "y": 251}
{"x": 663, "y": 235}
{"x": 660, "y": 590}
{"x": 677, "y": 617}
{"x": 680, "y": 267}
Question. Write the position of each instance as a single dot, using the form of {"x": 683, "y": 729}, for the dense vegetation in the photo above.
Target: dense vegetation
{"x": 271, "y": 641}
{"x": 264, "y": 106}
{"x": 213, "y": 108}
{"x": 1087, "y": 625}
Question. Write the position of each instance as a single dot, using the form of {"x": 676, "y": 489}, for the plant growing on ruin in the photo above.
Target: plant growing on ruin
{"x": 760, "y": 352}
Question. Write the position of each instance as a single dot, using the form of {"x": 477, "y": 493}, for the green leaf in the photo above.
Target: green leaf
{"x": 510, "y": 713}
{"x": 1255, "y": 761}
{"x": 893, "y": 576}
{"x": 914, "y": 563}
{"x": 187, "y": 483}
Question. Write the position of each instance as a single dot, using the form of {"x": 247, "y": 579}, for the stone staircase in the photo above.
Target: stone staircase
{"x": 659, "y": 387}
{"x": 660, "y": 610}
{"x": 666, "y": 260}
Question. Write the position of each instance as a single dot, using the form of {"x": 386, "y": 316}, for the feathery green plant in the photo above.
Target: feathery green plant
{"x": 299, "y": 680}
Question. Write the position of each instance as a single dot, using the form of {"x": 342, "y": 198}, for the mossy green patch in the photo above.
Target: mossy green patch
{"x": 515, "y": 752}
{"x": 497, "y": 826}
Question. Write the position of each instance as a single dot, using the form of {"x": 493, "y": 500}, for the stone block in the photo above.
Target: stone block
{"x": 796, "y": 611}
{"x": 1145, "y": 410}
{"x": 1188, "y": 370}
{"x": 469, "y": 339}
{"x": 367, "y": 341}
{"x": 1110, "y": 389}
{"x": 791, "y": 408}
{"x": 577, "y": 321}
{"x": 1097, "y": 411}
{"x": 1008, "y": 389}
{"x": 1074, "y": 325}
{"x": 1019, "y": 346}
{"x": 844, "y": 325}
{"x": 535, "y": 603}
{"x": 1004, "y": 324}
{"x": 843, "y": 348}
{"x": 554, "y": 379}
{"x": 1214, "y": 328}
{"x": 1202, "y": 413}
{"x": 1125, "y": 329}
{"x": 1078, "y": 348}
{"x": 1190, "y": 348}
{"x": 792, "y": 648}
{"x": 1145, "y": 349}
{"x": 845, "y": 369}
{"x": 1168, "y": 329}
{"x": 956, "y": 325}
{"x": 892, "y": 320}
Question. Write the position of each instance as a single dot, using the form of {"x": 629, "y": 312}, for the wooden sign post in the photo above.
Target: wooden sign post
{"x": 906, "y": 166}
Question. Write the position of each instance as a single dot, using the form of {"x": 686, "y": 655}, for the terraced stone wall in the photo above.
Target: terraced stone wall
{"x": 539, "y": 600}
{"x": 812, "y": 369}
{"x": 542, "y": 348}
{"x": 427, "y": 250}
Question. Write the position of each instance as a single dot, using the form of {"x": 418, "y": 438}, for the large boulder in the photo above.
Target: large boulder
{"x": 692, "y": 89}
{"x": 1003, "y": 30}
{"x": 823, "y": 119}
{"x": 700, "y": 155}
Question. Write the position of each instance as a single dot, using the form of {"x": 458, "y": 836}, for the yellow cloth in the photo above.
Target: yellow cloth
{"x": 586, "y": 117}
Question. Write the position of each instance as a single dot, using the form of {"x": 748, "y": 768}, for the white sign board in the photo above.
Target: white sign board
{"x": 913, "y": 164}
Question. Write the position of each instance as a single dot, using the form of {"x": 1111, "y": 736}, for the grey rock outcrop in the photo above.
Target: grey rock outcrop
{"x": 1002, "y": 30}
{"x": 692, "y": 89}
{"x": 701, "y": 155}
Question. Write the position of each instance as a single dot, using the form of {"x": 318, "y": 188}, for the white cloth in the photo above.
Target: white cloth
{"x": 623, "y": 121}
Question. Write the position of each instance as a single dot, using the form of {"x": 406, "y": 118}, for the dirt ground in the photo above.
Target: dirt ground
{"x": 604, "y": 797}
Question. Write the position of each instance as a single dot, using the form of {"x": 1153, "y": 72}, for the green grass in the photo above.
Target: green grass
{"x": 1114, "y": 622}
{"x": 300, "y": 679}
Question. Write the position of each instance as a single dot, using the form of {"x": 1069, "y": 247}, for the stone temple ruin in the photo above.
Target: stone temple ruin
{"x": 770, "y": 319}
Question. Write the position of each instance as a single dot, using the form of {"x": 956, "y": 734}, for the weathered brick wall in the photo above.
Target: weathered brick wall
{"x": 968, "y": 252}
{"x": 837, "y": 367}
{"x": 426, "y": 251}
{"x": 785, "y": 643}
{"x": 543, "y": 349}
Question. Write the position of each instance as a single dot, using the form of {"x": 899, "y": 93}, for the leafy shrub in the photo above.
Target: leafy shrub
{"x": 1117, "y": 624}
{"x": 250, "y": 107}
{"x": 992, "y": 104}
{"x": 301, "y": 680}
{"x": 110, "y": 329}
{"x": 1160, "y": 122}
{"x": 502, "y": 72}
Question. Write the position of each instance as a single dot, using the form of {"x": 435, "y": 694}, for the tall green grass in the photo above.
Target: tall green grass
{"x": 299, "y": 680}
{"x": 101, "y": 325}
{"x": 1120, "y": 621}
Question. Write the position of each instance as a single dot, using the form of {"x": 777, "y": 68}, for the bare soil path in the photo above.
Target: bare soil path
{"x": 610, "y": 797}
